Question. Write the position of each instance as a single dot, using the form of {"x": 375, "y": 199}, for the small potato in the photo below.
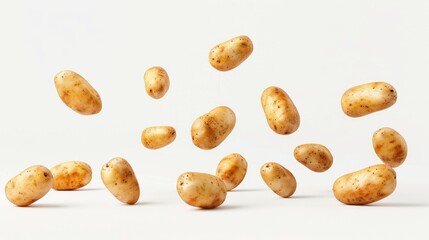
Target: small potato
{"x": 280, "y": 112}
{"x": 231, "y": 53}
{"x": 29, "y": 186}
{"x": 119, "y": 178}
{"x": 211, "y": 129}
{"x": 158, "y": 137}
{"x": 368, "y": 98}
{"x": 279, "y": 179}
{"x": 77, "y": 93}
{"x": 390, "y": 146}
{"x": 71, "y": 175}
{"x": 156, "y": 82}
{"x": 365, "y": 186}
{"x": 232, "y": 170}
{"x": 201, "y": 189}
{"x": 315, "y": 157}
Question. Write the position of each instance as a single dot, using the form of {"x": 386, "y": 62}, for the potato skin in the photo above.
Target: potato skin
{"x": 368, "y": 98}
{"x": 390, "y": 146}
{"x": 77, "y": 93}
{"x": 279, "y": 179}
{"x": 156, "y": 82}
{"x": 232, "y": 170}
{"x": 119, "y": 178}
{"x": 158, "y": 137}
{"x": 315, "y": 157}
{"x": 230, "y": 54}
{"x": 280, "y": 112}
{"x": 29, "y": 186}
{"x": 201, "y": 190}
{"x": 365, "y": 186}
{"x": 211, "y": 129}
{"x": 71, "y": 175}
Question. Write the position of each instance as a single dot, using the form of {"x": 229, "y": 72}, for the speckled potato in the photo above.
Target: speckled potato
{"x": 365, "y": 186}
{"x": 77, "y": 93}
{"x": 390, "y": 146}
{"x": 156, "y": 82}
{"x": 280, "y": 112}
{"x": 71, "y": 175}
{"x": 211, "y": 129}
{"x": 231, "y": 53}
{"x": 315, "y": 157}
{"x": 368, "y": 98}
{"x": 232, "y": 170}
{"x": 119, "y": 178}
{"x": 158, "y": 137}
{"x": 201, "y": 190}
{"x": 278, "y": 179}
{"x": 29, "y": 186}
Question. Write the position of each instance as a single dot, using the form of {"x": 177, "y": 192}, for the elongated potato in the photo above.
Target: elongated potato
{"x": 77, "y": 93}
{"x": 211, "y": 129}
{"x": 231, "y": 53}
{"x": 315, "y": 157}
{"x": 158, "y": 137}
{"x": 278, "y": 179}
{"x": 280, "y": 112}
{"x": 390, "y": 146}
{"x": 232, "y": 170}
{"x": 71, "y": 175}
{"x": 365, "y": 186}
{"x": 29, "y": 186}
{"x": 156, "y": 82}
{"x": 368, "y": 98}
{"x": 201, "y": 189}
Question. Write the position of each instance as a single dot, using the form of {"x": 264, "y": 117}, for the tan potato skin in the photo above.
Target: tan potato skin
{"x": 71, "y": 175}
{"x": 77, "y": 93}
{"x": 201, "y": 190}
{"x": 232, "y": 170}
{"x": 29, "y": 186}
{"x": 231, "y": 53}
{"x": 390, "y": 146}
{"x": 156, "y": 82}
{"x": 315, "y": 157}
{"x": 280, "y": 112}
{"x": 119, "y": 178}
{"x": 158, "y": 137}
{"x": 368, "y": 98}
{"x": 211, "y": 129}
{"x": 365, "y": 186}
{"x": 278, "y": 179}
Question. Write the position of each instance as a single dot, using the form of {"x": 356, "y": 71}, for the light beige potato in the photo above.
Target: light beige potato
{"x": 211, "y": 129}
{"x": 280, "y": 112}
{"x": 390, "y": 146}
{"x": 278, "y": 179}
{"x": 71, "y": 175}
{"x": 77, "y": 93}
{"x": 315, "y": 157}
{"x": 368, "y": 98}
{"x": 365, "y": 186}
{"x": 158, "y": 137}
{"x": 232, "y": 170}
{"x": 201, "y": 190}
{"x": 29, "y": 186}
{"x": 231, "y": 53}
{"x": 119, "y": 178}
{"x": 156, "y": 82}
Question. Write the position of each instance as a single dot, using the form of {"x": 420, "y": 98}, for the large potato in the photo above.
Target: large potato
{"x": 390, "y": 146}
{"x": 158, "y": 137}
{"x": 29, "y": 186}
{"x": 156, "y": 82}
{"x": 232, "y": 170}
{"x": 315, "y": 157}
{"x": 231, "y": 53}
{"x": 278, "y": 179}
{"x": 71, "y": 175}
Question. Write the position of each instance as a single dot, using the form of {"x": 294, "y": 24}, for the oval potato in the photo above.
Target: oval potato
{"x": 278, "y": 179}
{"x": 231, "y": 53}
{"x": 315, "y": 157}
{"x": 232, "y": 170}
{"x": 390, "y": 146}
{"x": 156, "y": 82}
{"x": 158, "y": 137}
{"x": 71, "y": 175}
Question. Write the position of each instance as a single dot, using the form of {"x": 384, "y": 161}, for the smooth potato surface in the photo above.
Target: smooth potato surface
{"x": 280, "y": 180}
{"x": 156, "y": 82}
{"x": 315, "y": 157}
{"x": 71, "y": 175}
{"x": 158, "y": 137}
{"x": 229, "y": 54}
{"x": 232, "y": 170}
{"x": 390, "y": 146}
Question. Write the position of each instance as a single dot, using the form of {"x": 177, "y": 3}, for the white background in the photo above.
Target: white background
{"x": 314, "y": 50}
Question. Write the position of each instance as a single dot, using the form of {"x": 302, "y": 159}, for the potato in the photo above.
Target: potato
{"x": 279, "y": 179}
{"x": 232, "y": 170}
{"x": 390, "y": 146}
{"x": 119, "y": 178}
{"x": 280, "y": 112}
{"x": 231, "y": 53}
{"x": 29, "y": 186}
{"x": 315, "y": 157}
{"x": 156, "y": 82}
{"x": 365, "y": 186}
{"x": 77, "y": 93}
{"x": 71, "y": 175}
{"x": 368, "y": 98}
{"x": 158, "y": 137}
{"x": 201, "y": 190}
{"x": 211, "y": 129}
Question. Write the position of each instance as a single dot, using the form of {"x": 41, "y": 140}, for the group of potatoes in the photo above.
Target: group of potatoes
{"x": 209, "y": 131}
